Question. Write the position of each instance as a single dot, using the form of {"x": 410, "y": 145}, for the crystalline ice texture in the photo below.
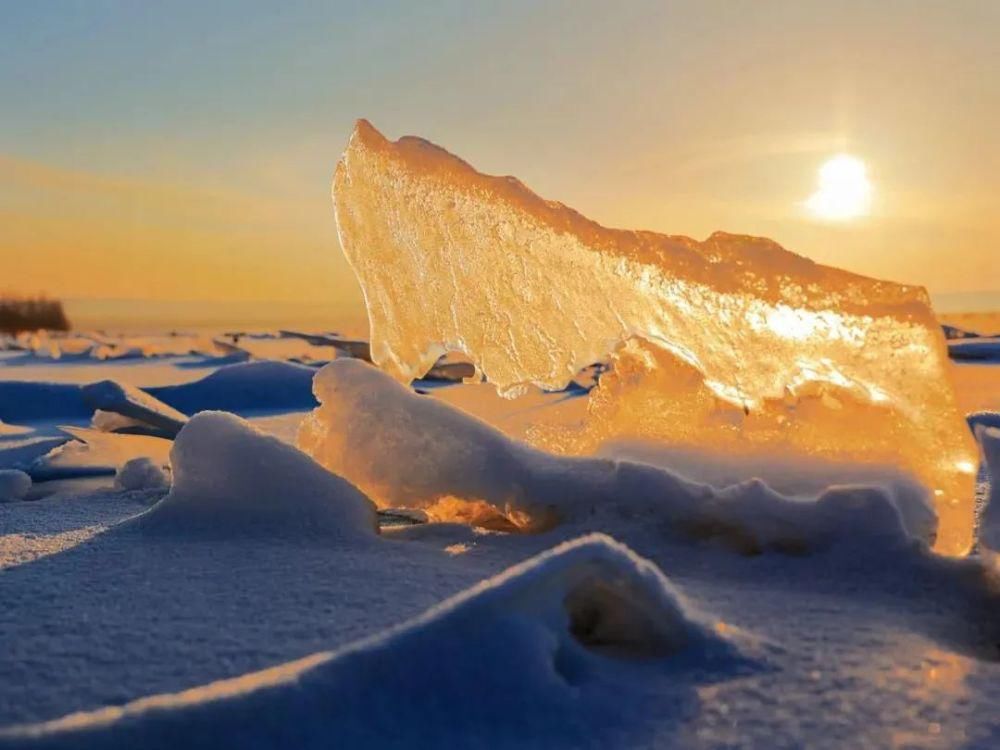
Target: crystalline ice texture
{"x": 733, "y": 343}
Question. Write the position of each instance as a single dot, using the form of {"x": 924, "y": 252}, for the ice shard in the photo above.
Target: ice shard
{"x": 733, "y": 343}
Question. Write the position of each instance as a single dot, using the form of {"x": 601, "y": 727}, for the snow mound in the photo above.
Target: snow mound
{"x": 729, "y": 344}
{"x": 14, "y": 485}
{"x": 243, "y": 388}
{"x": 409, "y": 451}
{"x": 230, "y": 478}
{"x": 135, "y": 404}
{"x": 141, "y": 474}
{"x": 989, "y": 521}
{"x": 562, "y": 640}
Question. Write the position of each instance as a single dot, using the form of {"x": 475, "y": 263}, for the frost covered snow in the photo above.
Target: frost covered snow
{"x": 842, "y": 366}
{"x": 553, "y": 641}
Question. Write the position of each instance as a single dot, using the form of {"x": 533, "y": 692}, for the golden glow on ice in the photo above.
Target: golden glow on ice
{"x": 731, "y": 344}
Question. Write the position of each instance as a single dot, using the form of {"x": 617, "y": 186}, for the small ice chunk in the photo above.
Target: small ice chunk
{"x": 14, "y": 485}
{"x": 141, "y": 474}
{"x": 131, "y": 402}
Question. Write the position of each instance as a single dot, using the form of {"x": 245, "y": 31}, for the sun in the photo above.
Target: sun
{"x": 844, "y": 190}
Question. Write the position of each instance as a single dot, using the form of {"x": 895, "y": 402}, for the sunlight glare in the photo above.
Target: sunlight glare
{"x": 844, "y": 190}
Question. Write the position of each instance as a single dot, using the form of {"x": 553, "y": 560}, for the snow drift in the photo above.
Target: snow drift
{"x": 410, "y": 451}
{"x": 730, "y": 343}
{"x": 561, "y": 643}
{"x": 230, "y": 478}
{"x": 25, "y": 402}
{"x": 242, "y": 388}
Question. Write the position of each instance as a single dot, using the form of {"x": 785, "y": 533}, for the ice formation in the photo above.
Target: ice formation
{"x": 564, "y": 639}
{"x": 14, "y": 485}
{"x": 230, "y": 478}
{"x": 410, "y": 451}
{"x": 131, "y": 402}
{"x": 732, "y": 343}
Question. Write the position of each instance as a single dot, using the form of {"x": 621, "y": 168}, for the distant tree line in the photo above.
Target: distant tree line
{"x": 31, "y": 314}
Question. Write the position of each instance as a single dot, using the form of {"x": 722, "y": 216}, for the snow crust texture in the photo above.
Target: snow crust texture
{"x": 231, "y": 479}
{"x": 410, "y": 451}
{"x": 564, "y": 639}
{"x": 733, "y": 342}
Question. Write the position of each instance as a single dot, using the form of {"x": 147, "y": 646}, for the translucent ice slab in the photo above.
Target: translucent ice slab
{"x": 733, "y": 343}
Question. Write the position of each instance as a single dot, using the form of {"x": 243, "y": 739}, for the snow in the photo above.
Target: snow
{"x": 22, "y": 401}
{"x": 14, "y": 485}
{"x": 550, "y": 639}
{"x": 141, "y": 474}
{"x": 243, "y": 388}
{"x": 408, "y": 451}
{"x": 78, "y": 347}
{"x": 230, "y": 478}
{"x": 843, "y": 367}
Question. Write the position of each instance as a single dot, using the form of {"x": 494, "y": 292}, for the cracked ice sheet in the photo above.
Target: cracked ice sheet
{"x": 732, "y": 343}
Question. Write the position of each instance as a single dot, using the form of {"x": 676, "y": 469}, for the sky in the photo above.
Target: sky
{"x": 183, "y": 151}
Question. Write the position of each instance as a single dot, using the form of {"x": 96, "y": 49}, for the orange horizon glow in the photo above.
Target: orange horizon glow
{"x": 199, "y": 168}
